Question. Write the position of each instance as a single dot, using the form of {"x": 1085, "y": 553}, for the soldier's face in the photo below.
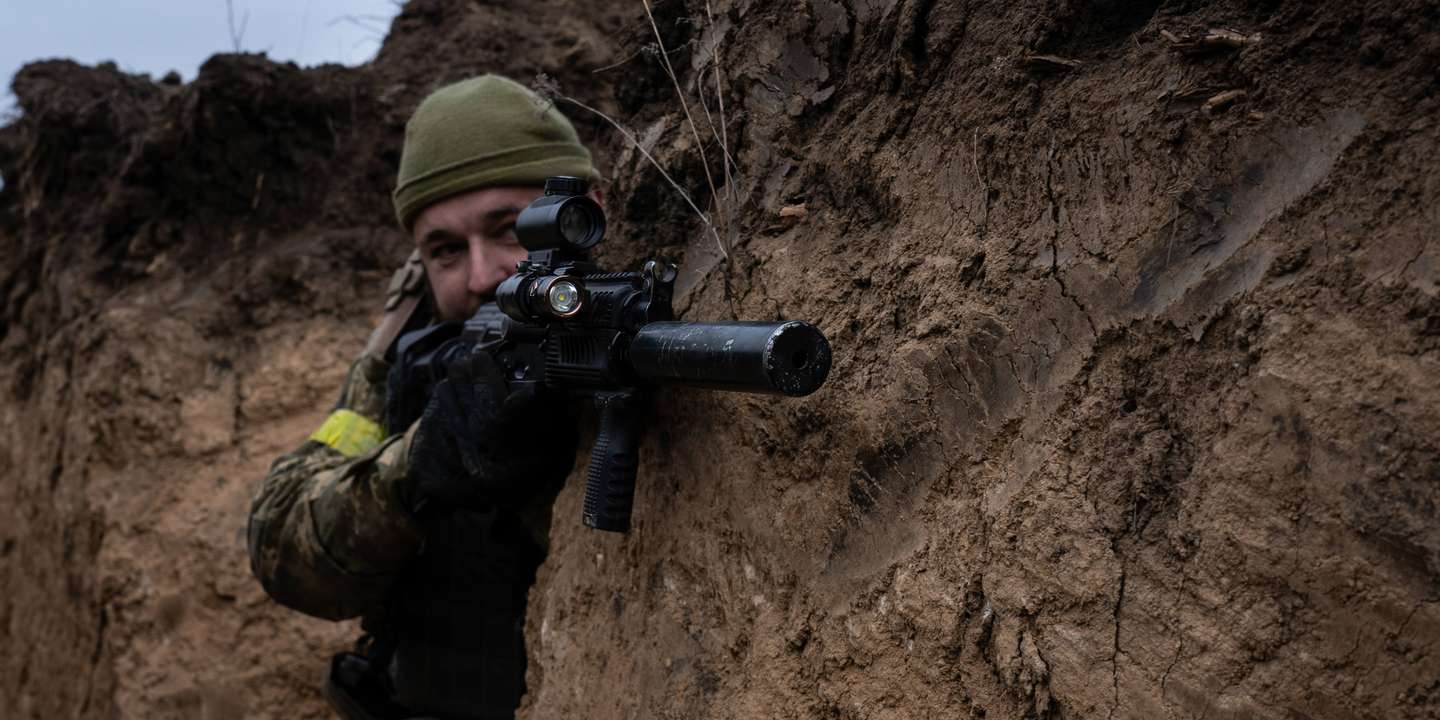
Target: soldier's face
{"x": 468, "y": 246}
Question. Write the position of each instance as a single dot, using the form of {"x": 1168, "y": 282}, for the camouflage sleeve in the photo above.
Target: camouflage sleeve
{"x": 326, "y": 533}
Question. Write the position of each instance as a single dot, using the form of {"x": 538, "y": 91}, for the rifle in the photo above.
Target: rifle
{"x": 562, "y": 324}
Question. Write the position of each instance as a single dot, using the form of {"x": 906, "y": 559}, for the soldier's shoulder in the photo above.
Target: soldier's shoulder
{"x": 405, "y": 300}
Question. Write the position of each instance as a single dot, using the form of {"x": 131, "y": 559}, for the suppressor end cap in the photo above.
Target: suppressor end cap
{"x": 797, "y": 359}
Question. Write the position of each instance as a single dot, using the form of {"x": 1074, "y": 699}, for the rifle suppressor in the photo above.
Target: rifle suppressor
{"x": 785, "y": 358}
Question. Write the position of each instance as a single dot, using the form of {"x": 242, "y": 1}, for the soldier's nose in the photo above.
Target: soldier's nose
{"x": 484, "y": 276}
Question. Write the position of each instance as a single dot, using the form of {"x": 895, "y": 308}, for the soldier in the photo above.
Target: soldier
{"x": 432, "y": 532}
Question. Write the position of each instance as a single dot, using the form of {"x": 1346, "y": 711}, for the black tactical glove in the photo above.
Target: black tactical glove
{"x": 478, "y": 445}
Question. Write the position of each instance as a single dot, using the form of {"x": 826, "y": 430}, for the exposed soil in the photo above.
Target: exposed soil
{"x": 1134, "y": 410}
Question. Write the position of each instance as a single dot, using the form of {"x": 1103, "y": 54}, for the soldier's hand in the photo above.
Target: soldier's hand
{"x": 479, "y": 445}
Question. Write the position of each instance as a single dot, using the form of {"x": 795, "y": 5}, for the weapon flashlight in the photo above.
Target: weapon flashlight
{"x": 562, "y": 295}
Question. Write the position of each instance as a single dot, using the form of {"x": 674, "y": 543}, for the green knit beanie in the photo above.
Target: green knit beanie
{"x": 483, "y": 132}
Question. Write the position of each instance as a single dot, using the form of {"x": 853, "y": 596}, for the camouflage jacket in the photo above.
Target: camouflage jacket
{"x": 327, "y": 534}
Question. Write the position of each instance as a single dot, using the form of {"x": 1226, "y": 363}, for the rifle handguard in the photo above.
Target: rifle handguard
{"x": 610, "y": 482}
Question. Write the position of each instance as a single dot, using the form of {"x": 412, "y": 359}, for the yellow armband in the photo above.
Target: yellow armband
{"x": 349, "y": 432}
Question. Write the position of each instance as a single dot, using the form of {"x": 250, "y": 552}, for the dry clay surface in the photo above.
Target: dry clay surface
{"x": 1134, "y": 406}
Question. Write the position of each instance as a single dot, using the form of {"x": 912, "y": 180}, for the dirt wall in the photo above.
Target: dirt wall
{"x": 1133, "y": 411}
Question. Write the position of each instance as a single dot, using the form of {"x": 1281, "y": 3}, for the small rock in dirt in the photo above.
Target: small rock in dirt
{"x": 1222, "y": 101}
{"x": 1049, "y": 63}
{"x": 1213, "y": 39}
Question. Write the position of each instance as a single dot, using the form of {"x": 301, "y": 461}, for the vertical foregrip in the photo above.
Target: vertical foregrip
{"x": 610, "y": 482}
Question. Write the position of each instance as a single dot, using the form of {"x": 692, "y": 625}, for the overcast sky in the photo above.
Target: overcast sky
{"x": 157, "y": 36}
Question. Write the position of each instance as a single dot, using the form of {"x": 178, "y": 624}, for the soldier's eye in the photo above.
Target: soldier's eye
{"x": 508, "y": 236}
{"x": 448, "y": 251}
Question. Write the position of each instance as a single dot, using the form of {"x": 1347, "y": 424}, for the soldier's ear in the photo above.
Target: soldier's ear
{"x": 598, "y": 196}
